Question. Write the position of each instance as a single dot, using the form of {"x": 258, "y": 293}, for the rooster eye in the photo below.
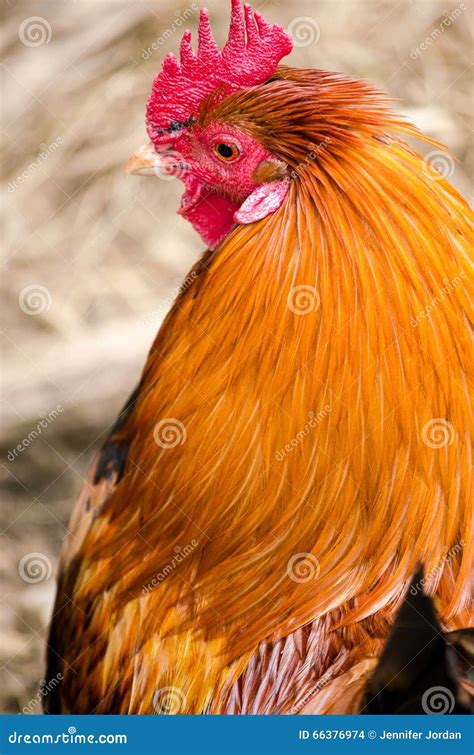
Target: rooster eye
{"x": 228, "y": 152}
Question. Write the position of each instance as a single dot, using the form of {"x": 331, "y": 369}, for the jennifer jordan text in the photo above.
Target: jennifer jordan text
{"x": 410, "y": 734}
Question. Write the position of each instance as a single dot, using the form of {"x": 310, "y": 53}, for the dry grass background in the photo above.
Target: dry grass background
{"x": 109, "y": 250}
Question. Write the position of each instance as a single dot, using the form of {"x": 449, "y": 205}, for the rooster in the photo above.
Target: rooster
{"x": 299, "y": 439}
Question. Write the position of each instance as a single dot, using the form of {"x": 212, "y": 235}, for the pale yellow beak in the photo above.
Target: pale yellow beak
{"x": 144, "y": 162}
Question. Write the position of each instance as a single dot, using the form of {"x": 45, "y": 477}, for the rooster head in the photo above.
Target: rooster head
{"x": 229, "y": 176}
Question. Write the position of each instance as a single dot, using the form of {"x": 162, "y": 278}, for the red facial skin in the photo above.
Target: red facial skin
{"x": 215, "y": 188}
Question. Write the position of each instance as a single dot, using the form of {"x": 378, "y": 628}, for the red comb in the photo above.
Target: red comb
{"x": 250, "y": 56}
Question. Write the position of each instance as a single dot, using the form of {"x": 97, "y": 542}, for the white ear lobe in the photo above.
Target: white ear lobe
{"x": 264, "y": 200}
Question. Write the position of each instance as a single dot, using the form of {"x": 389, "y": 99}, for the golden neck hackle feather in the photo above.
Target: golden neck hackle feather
{"x": 368, "y": 237}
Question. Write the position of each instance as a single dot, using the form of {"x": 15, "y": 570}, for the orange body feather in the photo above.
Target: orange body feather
{"x": 356, "y": 375}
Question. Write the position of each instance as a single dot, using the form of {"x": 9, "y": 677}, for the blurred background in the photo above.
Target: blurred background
{"x": 92, "y": 258}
